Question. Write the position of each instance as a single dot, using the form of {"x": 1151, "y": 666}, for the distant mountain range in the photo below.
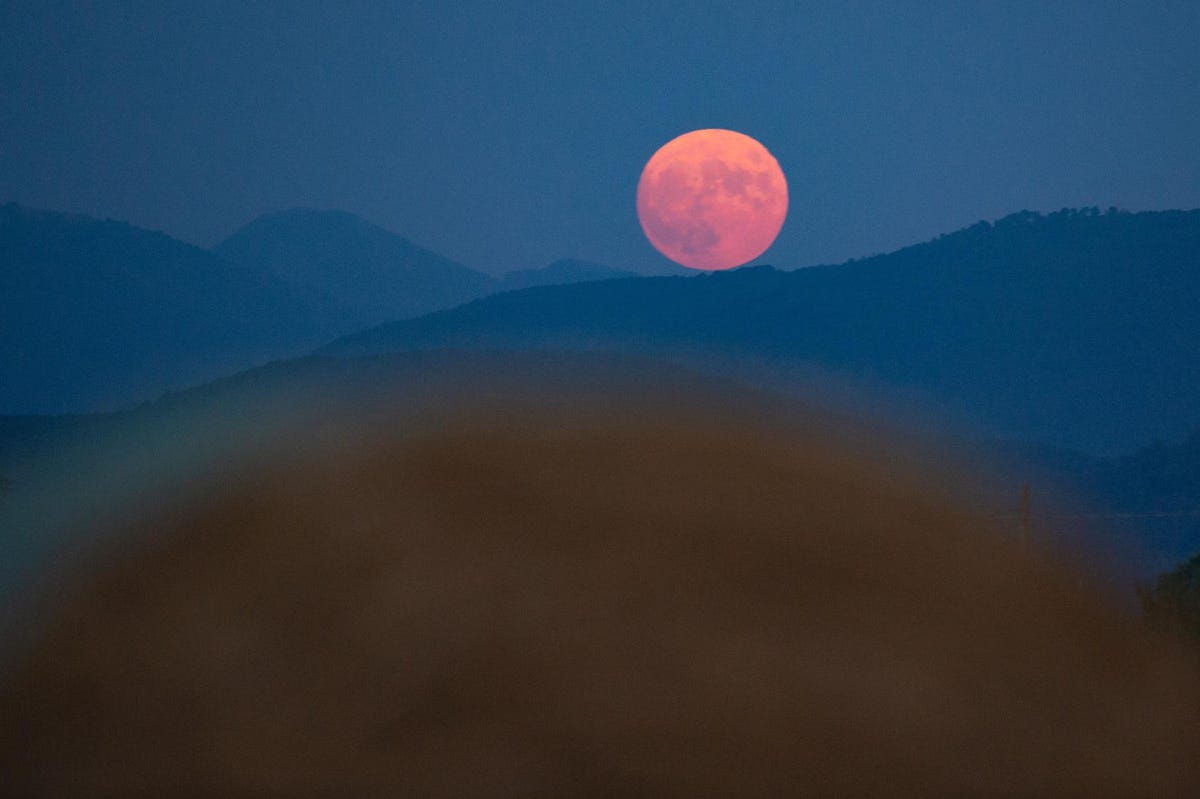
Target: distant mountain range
{"x": 373, "y": 273}
{"x": 97, "y": 314}
{"x": 1079, "y": 329}
{"x": 562, "y": 273}
{"x": 1063, "y": 340}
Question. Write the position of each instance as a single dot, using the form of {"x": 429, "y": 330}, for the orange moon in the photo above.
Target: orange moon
{"x": 712, "y": 199}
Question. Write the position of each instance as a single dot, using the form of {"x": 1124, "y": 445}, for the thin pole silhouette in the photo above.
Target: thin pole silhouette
{"x": 1025, "y": 516}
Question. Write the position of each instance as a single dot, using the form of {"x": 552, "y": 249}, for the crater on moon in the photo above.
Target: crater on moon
{"x": 712, "y": 199}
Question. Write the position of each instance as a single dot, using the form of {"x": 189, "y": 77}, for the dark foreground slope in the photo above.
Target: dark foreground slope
{"x": 95, "y": 314}
{"x": 1079, "y": 328}
{"x": 556, "y": 600}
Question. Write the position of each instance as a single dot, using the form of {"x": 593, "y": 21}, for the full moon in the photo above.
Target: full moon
{"x": 712, "y": 199}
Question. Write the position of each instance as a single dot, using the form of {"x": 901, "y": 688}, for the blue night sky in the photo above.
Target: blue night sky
{"x": 506, "y": 135}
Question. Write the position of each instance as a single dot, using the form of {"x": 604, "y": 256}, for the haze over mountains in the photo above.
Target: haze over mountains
{"x": 1080, "y": 329}
{"x": 373, "y": 273}
{"x": 561, "y": 273}
{"x": 97, "y": 314}
{"x": 376, "y": 275}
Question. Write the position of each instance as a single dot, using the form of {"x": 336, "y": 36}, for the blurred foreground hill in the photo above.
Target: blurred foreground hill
{"x": 70, "y": 470}
{"x": 64, "y": 467}
{"x": 584, "y": 593}
{"x": 1080, "y": 329}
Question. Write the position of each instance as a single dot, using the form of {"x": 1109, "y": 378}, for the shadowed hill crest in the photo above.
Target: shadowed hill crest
{"x": 1043, "y": 327}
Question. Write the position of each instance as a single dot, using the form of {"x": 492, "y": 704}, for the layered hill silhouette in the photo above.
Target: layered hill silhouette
{"x": 374, "y": 273}
{"x": 1079, "y": 328}
{"x": 371, "y": 271}
{"x": 98, "y": 313}
{"x": 562, "y": 272}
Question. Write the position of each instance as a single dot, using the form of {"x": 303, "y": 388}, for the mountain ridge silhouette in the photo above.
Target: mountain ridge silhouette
{"x": 562, "y": 272}
{"x": 377, "y": 273}
{"x": 99, "y": 313}
{"x": 1078, "y": 328}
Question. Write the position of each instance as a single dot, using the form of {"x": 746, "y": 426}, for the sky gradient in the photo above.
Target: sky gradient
{"x": 506, "y": 135}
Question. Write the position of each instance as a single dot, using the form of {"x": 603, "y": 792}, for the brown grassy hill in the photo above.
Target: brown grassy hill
{"x": 584, "y": 603}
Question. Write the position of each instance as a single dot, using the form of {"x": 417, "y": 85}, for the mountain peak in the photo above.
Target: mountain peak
{"x": 133, "y": 312}
{"x": 361, "y": 265}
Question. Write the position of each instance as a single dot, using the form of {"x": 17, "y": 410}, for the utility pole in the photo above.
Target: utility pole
{"x": 1025, "y": 524}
